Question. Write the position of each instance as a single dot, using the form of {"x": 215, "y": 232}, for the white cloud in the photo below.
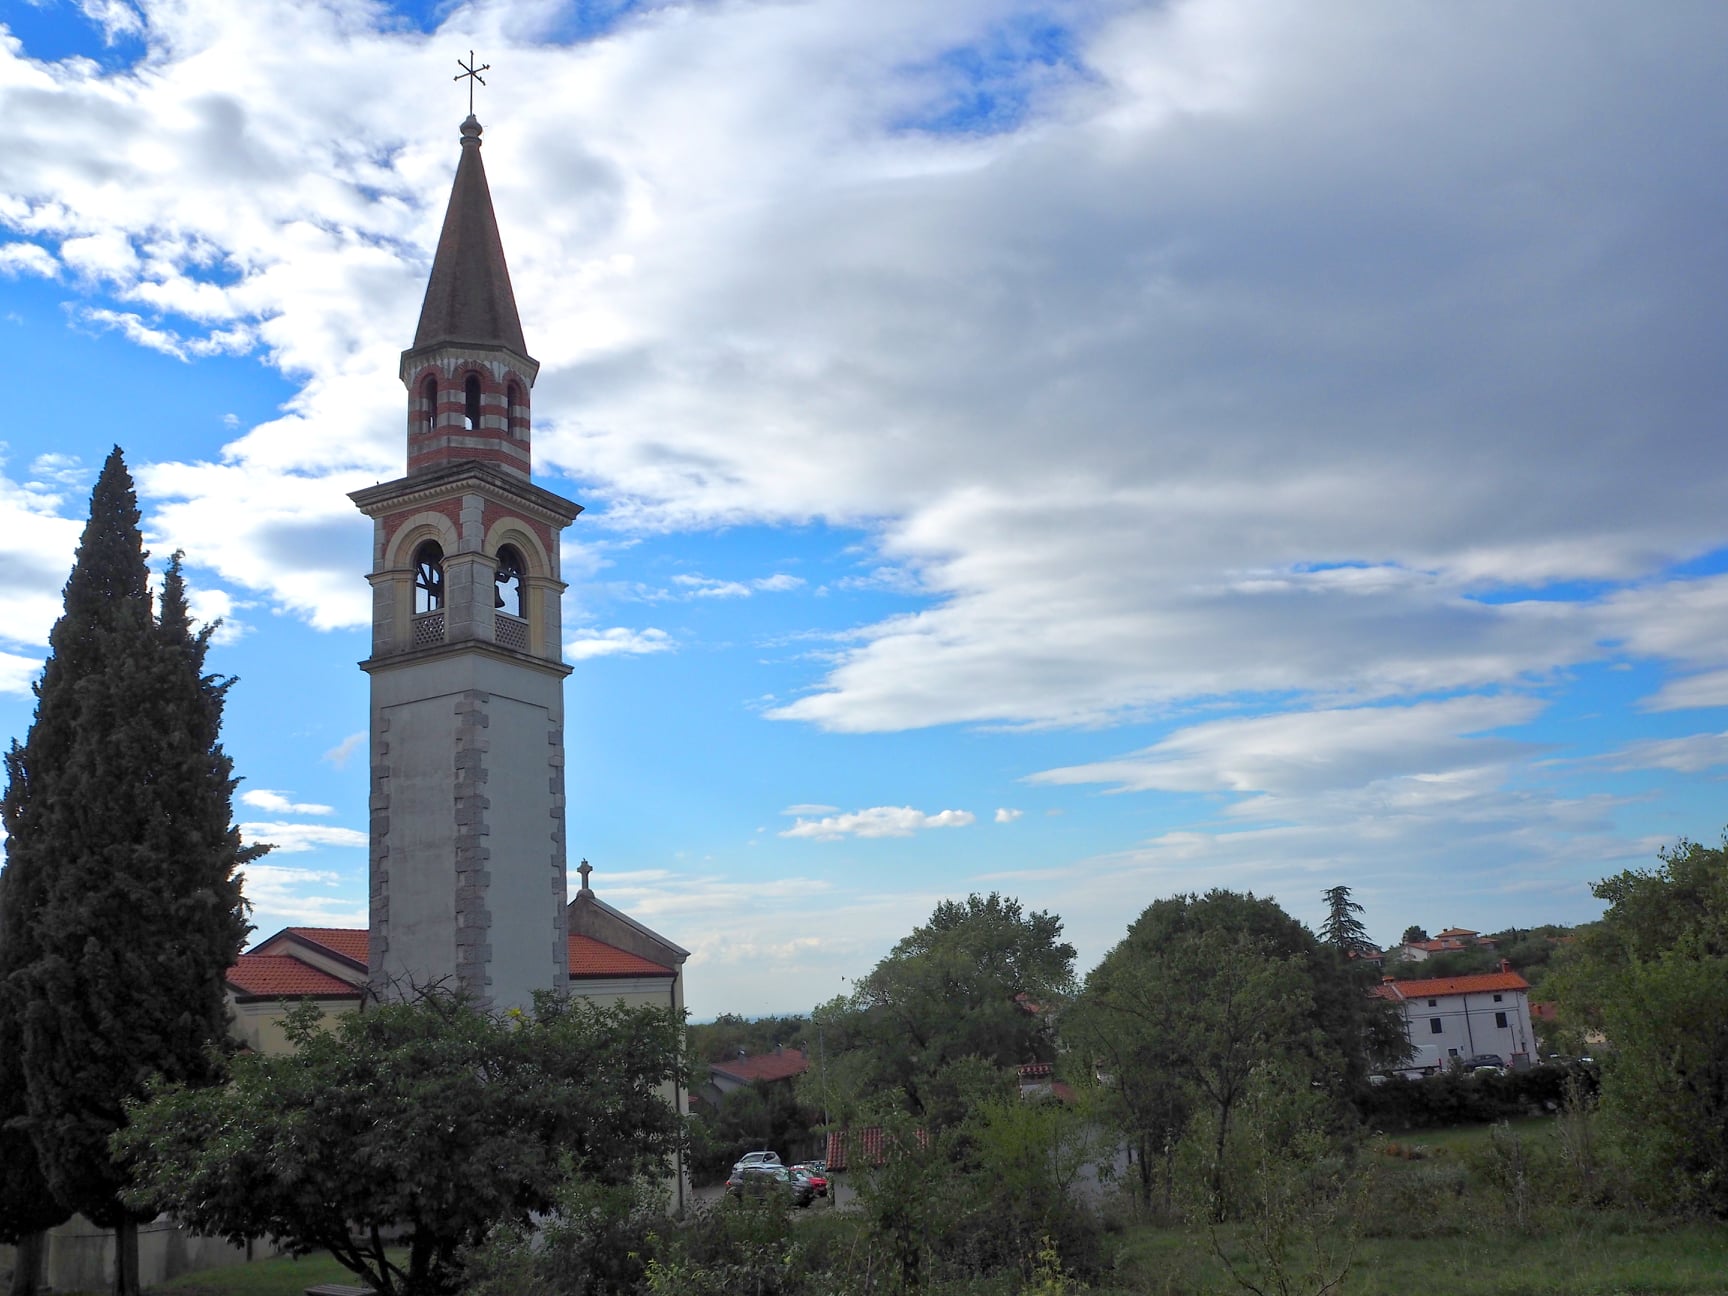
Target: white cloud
{"x": 706, "y": 587}
{"x": 779, "y": 582}
{"x": 19, "y": 258}
{"x": 294, "y": 838}
{"x": 276, "y": 803}
{"x": 809, "y": 809}
{"x": 284, "y": 896}
{"x": 1692, "y": 754}
{"x": 343, "y": 752}
{"x": 1004, "y": 816}
{"x": 618, "y": 640}
{"x": 18, "y": 673}
{"x": 877, "y": 821}
{"x": 1307, "y": 752}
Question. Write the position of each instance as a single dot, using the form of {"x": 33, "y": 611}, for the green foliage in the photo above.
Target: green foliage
{"x": 1287, "y": 1187}
{"x": 1454, "y": 1098}
{"x": 1413, "y": 935}
{"x": 430, "y": 1118}
{"x": 597, "y": 1240}
{"x": 729, "y": 1036}
{"x": 1653, "y": 976}
{"x": 980, "y": 980}
{"x": 1342, "y": 929}
{"x": 122, "y": 909}
{"x": 1204, "y": 990}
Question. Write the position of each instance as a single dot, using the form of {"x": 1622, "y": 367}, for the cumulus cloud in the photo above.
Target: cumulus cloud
{"x": 295, "y": 838}
{"x": 276, "y": 803}
{"x": 877, "y": 821}
{"x": 1004, "y": 816}
{"x": 617, "y": 641}
{"x": 284, "y": 896}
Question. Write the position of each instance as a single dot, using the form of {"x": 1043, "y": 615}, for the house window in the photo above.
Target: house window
{"x": 1496, "y": 998}
{"x": 1500, "y": 1020}
{"x": 1434, "y": 1026}
{"x": 509, "y": 582}
{"x": 428, "y": 577}
{"x": 471, "y": 403}
{"x": 1433, "y": 1003}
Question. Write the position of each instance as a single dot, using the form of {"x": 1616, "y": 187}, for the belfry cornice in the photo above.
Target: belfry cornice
{"x": 451, "y": 481}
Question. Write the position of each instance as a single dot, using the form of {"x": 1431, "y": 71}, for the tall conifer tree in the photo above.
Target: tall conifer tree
{"x": 124, "y": 855}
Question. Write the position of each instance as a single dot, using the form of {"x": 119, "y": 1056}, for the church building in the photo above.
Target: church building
{"x": 468, "y": 882}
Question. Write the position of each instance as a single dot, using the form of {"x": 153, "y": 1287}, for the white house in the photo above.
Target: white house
{"x": 1459, "y": 1017}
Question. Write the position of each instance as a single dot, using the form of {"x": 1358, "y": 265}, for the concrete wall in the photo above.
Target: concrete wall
{"x": 81, "y": 1256}
{"x": 468, "y": 825}
{"x": 1469, "y": 1024}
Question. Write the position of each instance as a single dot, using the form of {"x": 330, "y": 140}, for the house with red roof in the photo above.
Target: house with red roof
{"x": 783, "y": 1064}
{"x": 1448, "y": 1018}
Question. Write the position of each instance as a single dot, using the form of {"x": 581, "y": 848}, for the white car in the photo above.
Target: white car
{"x": 750, "y": 1159}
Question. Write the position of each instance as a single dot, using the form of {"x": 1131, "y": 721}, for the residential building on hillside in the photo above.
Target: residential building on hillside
{"x": 737, "y": 1073}
{"x": 1452, "y": 1018}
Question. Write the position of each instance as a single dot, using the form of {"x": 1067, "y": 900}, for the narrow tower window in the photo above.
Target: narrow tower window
{"x": 471, "y": 409}
{"x": 429, "y": 396}
{"x": 428, "y": 577}
{"x": 510, "y": 599}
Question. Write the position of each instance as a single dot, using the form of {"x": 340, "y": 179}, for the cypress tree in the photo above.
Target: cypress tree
{"x": 119, "y": 814}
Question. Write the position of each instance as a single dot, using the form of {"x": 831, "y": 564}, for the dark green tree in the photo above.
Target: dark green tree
{"x": 981, "y": 980}
{"x": 1201, "y": 992}
{"x": 1342, "y": 929}
{"x": 118, "y": 811}
{"x": 1652, "y": 976}
{"x": 27, "y": 1208}
{"x": 1413, "y": 935}
{"x": 429, "y": 1121}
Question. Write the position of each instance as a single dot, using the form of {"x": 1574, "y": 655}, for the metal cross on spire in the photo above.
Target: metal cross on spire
{"x": 473, "y": 75}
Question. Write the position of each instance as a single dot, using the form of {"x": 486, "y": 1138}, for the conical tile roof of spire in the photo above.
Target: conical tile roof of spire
{"x": 468, "y": 297}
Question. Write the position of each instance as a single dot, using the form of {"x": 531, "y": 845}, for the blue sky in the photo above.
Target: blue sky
{"x": 1090, "y": 450}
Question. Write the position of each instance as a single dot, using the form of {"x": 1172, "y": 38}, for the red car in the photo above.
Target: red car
{"x": 817, "y": 1179}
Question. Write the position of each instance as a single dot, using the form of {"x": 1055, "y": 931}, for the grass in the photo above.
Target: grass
{"x": 280, "y": 1276}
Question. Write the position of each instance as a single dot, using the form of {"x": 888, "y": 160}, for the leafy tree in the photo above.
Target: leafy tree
{"x": 430, "y": 1118}
{"x": 1203, "y": 990}
{"x": 123, "y": 857}
{"x": 981, "y": 979}
{"x": 1653, "y": 977}
{"x": 1342, "y": 929}
{"x": 1413, "y": 935}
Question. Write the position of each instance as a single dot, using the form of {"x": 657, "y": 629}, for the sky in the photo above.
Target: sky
{"x": 1091, "y": 451}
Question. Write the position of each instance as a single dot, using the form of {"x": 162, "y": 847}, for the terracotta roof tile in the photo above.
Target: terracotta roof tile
{"x": 764, "y": 1066}
{"x": 1433, "y": 987}
{"x": 595, "y": 958}
{"x": 350, "y": 943}
{"x": 279, "y": 976}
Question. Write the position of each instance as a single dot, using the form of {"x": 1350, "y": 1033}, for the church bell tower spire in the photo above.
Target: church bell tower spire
{"x": 467, "y": 669}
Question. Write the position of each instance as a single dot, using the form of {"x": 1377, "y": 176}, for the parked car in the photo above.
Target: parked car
{"x": 1484, "y": 1062}
{"x": 817, "y": 1179}
{"x": 764, "y": 1180}
{"x": 762, "y": 1158}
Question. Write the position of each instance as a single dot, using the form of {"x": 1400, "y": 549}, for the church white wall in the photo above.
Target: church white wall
{"x": 468, "y": 852}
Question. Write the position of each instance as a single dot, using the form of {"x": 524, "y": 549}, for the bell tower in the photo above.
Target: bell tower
{"x": 467, "y": 670}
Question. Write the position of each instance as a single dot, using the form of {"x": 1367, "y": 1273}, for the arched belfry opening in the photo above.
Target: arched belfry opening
{"x": 429, "y": 398}
{"x": 471, "y": 402}
{"x": 512, "y": 598}
{"x": 428, "y": 577}
{"x": 516, "y": 424}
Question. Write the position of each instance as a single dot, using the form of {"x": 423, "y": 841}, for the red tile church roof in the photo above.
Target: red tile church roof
{"x": 285, "y": 976}
{"x": 595, "y": 958}
{"x": 282, "y": 976}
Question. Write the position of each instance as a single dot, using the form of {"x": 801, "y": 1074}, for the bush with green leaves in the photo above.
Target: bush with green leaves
{"x": 427, "y": 1123}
